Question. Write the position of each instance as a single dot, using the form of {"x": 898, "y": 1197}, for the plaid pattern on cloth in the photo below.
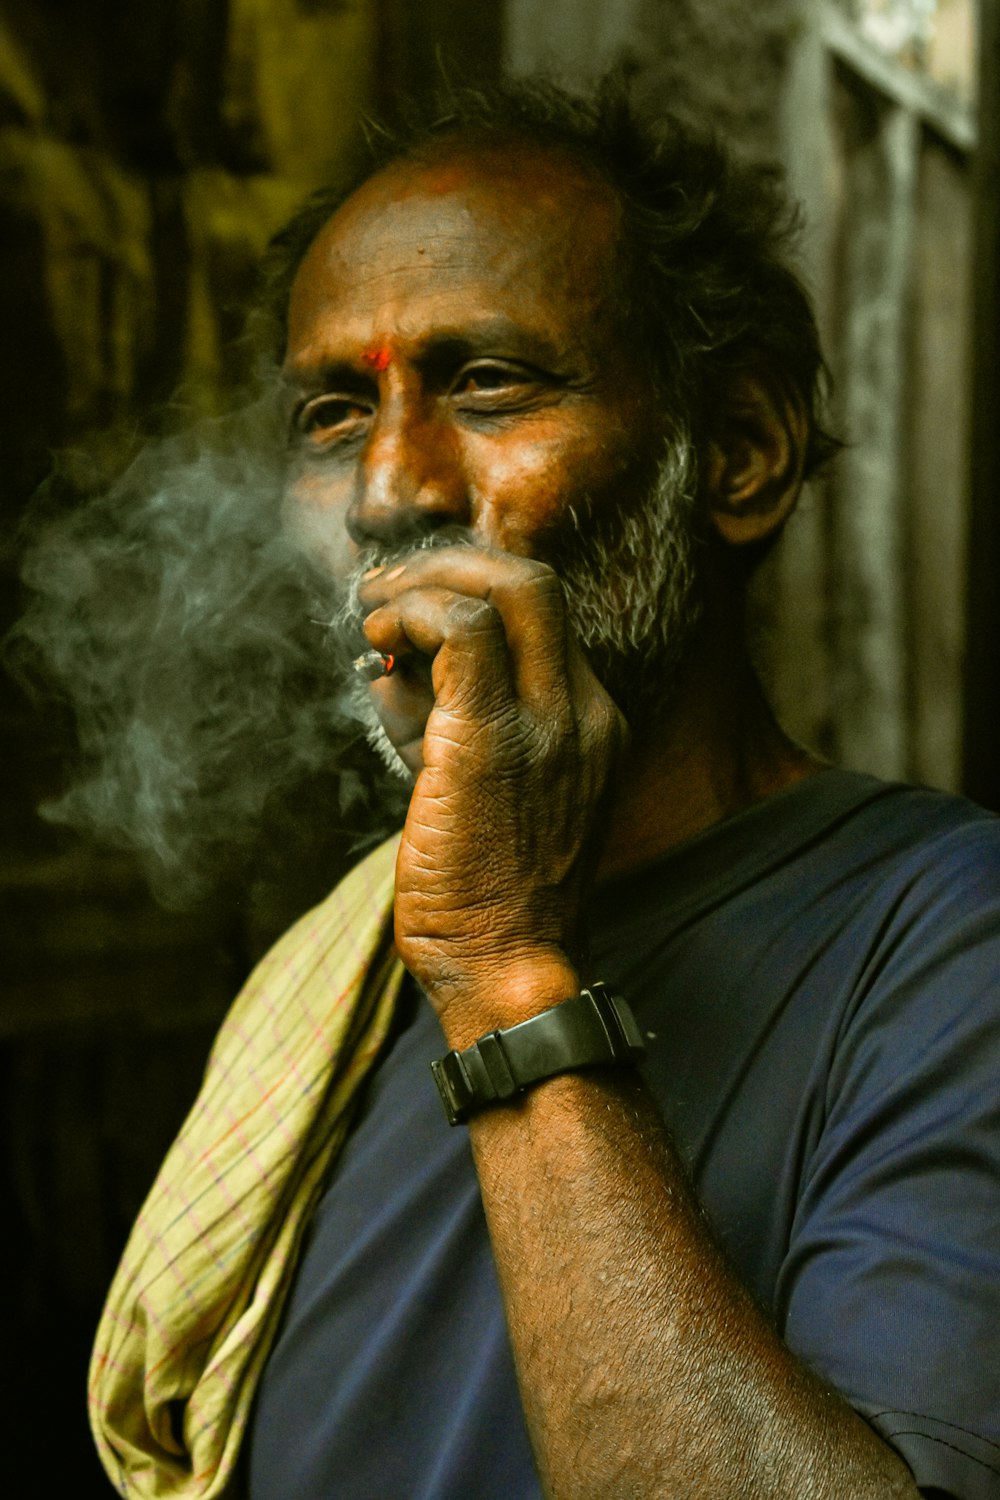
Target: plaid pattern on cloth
{"x": 196, "y": 1300}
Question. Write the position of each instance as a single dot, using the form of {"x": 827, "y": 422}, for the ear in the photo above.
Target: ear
{"x": 756, "y": 453}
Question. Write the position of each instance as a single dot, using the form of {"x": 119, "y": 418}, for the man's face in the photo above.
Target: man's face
{"x": 453, "y": 359}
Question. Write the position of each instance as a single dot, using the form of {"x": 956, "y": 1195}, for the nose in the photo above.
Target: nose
{"x": 411, "y": 479}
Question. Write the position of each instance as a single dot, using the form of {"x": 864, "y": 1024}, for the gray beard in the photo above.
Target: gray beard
{"x": 632, "y": 588}
{"x": 632, "y": 595}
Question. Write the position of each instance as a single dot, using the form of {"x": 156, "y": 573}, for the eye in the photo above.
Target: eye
{"x": 485, "y": 378}
{"x": 493, "y": 378}
{"x": 330, "y": 417}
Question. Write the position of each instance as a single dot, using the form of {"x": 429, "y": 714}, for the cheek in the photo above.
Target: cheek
{"x": 524, "y": 494}
{"x": 312, "y": 515}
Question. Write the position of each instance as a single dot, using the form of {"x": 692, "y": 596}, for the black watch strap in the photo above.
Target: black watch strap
{"x": 585, "y": 1031}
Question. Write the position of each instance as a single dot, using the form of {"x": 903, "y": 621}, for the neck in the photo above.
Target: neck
{"x": 718, "y": 750}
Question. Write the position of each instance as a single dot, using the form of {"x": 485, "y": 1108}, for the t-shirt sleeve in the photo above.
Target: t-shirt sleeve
{"x": 891, "y": 1286}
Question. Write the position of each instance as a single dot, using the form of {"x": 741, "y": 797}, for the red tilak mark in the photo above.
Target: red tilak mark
{"x": 379, "y": 359}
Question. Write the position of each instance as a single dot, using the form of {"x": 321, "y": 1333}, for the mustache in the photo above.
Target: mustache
{"x": 345, "y": 622}
{"x": 383, "y": 554}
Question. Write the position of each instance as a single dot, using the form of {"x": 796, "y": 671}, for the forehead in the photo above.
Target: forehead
{"x": 522, "y": 233}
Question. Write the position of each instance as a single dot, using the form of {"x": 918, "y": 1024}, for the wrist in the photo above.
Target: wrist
{"x": 510, "y": 989}
{"x": 592, "y": 1029}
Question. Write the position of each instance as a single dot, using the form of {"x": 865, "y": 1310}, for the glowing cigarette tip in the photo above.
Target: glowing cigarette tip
{"x": 373, "y": 664}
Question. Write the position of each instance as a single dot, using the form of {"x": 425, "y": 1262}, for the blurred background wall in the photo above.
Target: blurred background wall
{"x": 146, "y": 154}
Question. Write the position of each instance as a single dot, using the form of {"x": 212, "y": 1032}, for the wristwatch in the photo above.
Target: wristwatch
{"x": 590, "y": 1029}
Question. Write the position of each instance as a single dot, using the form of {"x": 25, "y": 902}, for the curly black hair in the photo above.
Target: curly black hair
{"x": 705, "y": 284}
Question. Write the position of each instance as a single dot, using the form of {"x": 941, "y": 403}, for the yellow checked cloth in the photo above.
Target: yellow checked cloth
{"x": 195, "y": 1304}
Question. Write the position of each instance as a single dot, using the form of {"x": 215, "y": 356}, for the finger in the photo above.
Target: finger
{"x": 464, "y": 636}
{"x": 425, "y": 564}
{"x": 526, "y": 594}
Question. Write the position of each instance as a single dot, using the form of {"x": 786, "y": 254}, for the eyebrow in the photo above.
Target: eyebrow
{"x": 492, "y": 336}
{"x": 499, "y": 336}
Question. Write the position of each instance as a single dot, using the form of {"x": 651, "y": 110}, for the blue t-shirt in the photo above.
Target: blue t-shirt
{"x": 820, "y": 980}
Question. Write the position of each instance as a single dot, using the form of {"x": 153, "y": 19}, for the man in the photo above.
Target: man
{"x": 761, "y": 1260}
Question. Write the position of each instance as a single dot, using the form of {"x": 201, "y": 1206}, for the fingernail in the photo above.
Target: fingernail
{"x": 394, "y": 573}
{"x": 372, "y": 573}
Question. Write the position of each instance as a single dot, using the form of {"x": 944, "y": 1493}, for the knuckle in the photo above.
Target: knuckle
{"x": 528, "y": 577}
{"x": 541, "y": 573}
{"x": 544, "y": 582}
{"x": 607, "y": 723}
{"x": 472, "y": 616}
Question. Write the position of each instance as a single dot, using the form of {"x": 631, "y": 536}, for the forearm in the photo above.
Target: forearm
{"x": 645, "y": 1368}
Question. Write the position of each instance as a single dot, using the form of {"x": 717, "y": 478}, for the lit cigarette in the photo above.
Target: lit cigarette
{"x": 373, "y": 664}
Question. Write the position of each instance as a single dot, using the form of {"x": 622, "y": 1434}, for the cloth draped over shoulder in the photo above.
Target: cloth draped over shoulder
{"x": 195, "y": 1304}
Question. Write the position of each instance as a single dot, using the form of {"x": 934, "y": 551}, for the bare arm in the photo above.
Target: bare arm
{"x": 645, "y": 1368}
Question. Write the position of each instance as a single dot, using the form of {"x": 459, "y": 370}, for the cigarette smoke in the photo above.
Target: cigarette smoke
{"x": 205, "y": 652}
{"x": 191, "y": 639}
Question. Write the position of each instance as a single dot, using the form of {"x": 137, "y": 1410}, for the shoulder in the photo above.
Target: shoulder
{"x": 924, "y": 1004}
{"x": 917, "y": 848}
{"x": 907, "y": 816}
{"x": 897, "y": 903}
{"x": 940, "y": 857}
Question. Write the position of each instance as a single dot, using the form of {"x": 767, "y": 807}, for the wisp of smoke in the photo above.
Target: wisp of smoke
{"x": 189, "y": 635}
{"x": 205, "y": 652}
